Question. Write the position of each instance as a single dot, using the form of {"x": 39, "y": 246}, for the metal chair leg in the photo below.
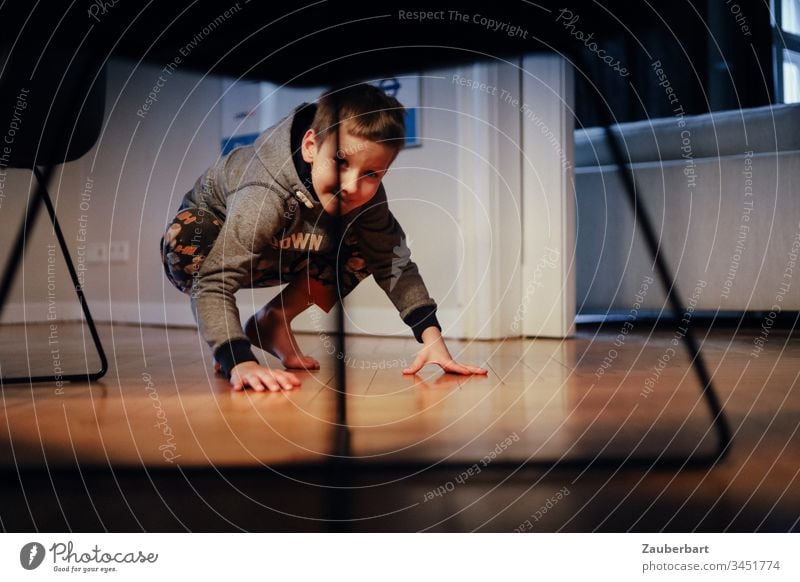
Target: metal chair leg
{"x": 41, "y": 195}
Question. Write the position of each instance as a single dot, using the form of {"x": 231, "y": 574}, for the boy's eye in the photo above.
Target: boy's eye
{"x": 371, "y": 174}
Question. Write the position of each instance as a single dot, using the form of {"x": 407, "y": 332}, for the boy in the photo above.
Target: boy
{"x": 264, "y": 215}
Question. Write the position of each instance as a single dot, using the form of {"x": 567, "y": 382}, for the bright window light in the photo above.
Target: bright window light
{"x": 790, "y": 15}
{"x": 791, "y": 77}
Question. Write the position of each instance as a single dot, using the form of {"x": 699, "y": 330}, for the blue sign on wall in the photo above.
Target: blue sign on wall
{"x": 230, "y": 143}
{"x": 405, "y": 90}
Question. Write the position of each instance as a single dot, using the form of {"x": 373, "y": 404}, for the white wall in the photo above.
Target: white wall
{"x": 136, "y": 175}
{"x": 458, "y": 198}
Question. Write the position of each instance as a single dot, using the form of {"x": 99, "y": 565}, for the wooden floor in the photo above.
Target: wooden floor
{"x": 432, "y": 452}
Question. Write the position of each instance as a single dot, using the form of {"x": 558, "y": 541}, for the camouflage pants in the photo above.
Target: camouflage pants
{"x": 192, "y": 233}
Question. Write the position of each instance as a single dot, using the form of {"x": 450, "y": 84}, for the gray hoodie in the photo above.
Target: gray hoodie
{"x": 254, "y": 191}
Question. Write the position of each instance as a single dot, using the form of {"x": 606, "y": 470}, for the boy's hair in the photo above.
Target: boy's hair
{"x": 366, "y": 112}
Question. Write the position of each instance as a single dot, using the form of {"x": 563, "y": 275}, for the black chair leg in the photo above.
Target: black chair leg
{"x": 41, "y": 195}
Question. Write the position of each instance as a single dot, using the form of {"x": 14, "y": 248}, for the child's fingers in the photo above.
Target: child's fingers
{"x": 273, "y": 381}
{"x": 415, "y": 366}
{"x": 268, "y": 383}
{"x": 457, "y": 368}
{"x": 255, "y": 383}
{"x": 237, "y": 382}
{"x": 294, "y": 380}
{"x": 266, "y": 379}
{"x": 285, "y": 380}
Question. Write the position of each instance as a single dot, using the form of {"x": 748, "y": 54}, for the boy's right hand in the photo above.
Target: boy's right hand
{"x": 260, "y": 378}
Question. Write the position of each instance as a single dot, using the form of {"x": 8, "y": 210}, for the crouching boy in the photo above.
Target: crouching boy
{"x": 265, "y": 214}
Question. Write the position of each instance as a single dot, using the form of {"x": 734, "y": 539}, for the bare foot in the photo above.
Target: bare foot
{"x": 269, "y": 330}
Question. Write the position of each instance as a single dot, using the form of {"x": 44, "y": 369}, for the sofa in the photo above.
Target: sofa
{"x": 723, "y": 193}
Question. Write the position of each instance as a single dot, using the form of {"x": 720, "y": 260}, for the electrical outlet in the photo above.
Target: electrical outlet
{"x": 119, "y": 251}
{"x": 96, "y": 252}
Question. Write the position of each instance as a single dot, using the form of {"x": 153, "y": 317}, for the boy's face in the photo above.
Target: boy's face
{"x": 361, "y": 165}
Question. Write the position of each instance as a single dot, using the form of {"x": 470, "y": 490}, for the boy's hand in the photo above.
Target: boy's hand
{"x": 434, "y": 351}
{"x": 260, "y": 378}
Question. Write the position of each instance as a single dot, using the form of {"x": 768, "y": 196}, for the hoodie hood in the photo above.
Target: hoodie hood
{"x": 279, "y": 154}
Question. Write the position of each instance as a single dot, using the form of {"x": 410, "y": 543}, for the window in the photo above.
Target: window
{"x": 786, "y": 48}
{"x": 790, "y": 11}
{"x": 791, "y": 77}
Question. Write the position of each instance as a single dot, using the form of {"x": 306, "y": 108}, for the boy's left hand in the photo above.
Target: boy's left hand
{"x": 434, "y": 351}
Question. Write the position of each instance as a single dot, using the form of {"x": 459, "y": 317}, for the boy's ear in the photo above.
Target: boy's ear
{"x": 308, "y": 146}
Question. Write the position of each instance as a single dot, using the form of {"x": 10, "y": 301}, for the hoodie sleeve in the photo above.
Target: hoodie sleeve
{"x": 254, "y": 216}
{"x": 384, "y": 247}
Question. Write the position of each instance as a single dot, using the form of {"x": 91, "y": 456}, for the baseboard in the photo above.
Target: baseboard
{"x": 118, "y": 312}
{"x": 383, "y": 322}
